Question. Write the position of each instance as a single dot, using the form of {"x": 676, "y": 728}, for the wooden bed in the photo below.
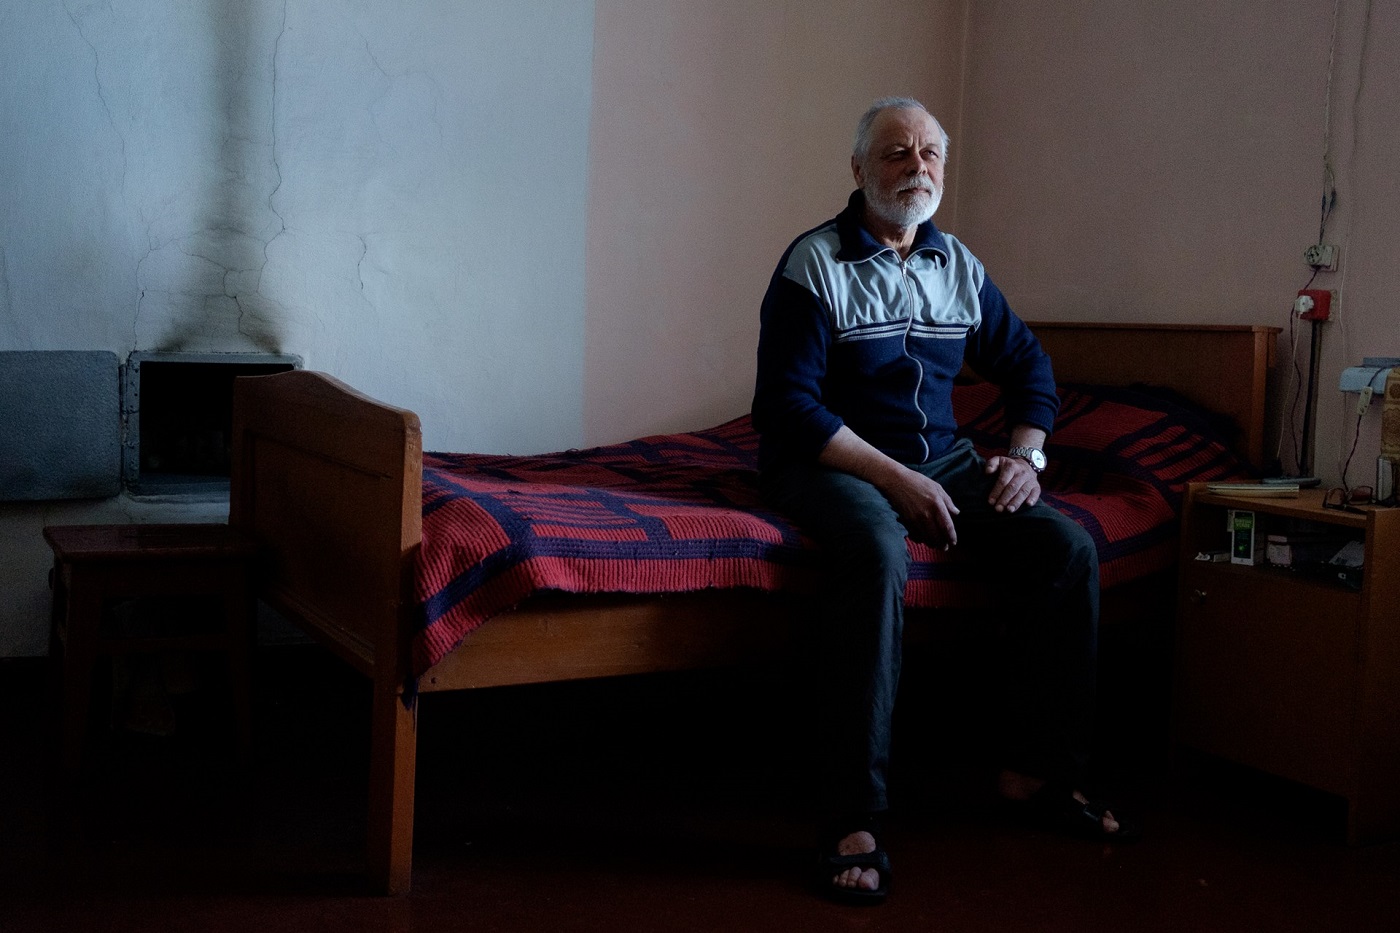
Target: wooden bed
{"x": 329, "y": 482}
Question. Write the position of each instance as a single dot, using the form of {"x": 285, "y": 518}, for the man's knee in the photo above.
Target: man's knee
{"x": 1081, "y": 553}
{"x": 877, "y": 552}
{"x": 1062, "y": 550}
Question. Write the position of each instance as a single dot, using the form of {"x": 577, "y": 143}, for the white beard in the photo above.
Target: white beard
{"x": 902, "y": 210}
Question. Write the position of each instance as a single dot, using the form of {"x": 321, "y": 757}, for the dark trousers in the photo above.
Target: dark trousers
{"x": 1042, "y": 570}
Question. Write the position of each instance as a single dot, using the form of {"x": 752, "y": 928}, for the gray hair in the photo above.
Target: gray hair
{"x": 867, "y": 120}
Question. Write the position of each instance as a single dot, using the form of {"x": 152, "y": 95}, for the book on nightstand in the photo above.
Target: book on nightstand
{"x": 1258, "y": 490}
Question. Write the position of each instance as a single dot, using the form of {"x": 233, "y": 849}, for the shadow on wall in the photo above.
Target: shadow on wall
{"x": 216, "y": 288}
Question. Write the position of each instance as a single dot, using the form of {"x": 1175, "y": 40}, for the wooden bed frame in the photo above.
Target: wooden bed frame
{"x": 329, "y": 482}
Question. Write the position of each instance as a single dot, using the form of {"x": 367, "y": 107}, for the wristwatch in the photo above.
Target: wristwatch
{"x": 1032, "y": 455}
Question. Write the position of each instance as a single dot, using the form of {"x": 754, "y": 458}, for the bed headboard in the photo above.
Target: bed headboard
{"x": 1222, "y": 367}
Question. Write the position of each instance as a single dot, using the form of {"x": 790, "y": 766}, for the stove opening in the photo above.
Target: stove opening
{"x": 178, "y": 410}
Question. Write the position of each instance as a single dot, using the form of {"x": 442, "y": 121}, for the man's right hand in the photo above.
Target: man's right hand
{"x": 923, "y": 505}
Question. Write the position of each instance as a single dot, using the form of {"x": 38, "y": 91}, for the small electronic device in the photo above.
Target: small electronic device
{"x": 1245, "y": 541}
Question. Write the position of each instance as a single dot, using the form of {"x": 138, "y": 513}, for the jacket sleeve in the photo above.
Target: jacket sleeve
{"x": 1004, "y": 351}
{"x": 793, "y": 343}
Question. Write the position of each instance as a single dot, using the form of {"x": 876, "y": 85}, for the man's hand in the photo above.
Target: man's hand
{"x": 1017, "y": 484}
{"x": 924, "y": 506}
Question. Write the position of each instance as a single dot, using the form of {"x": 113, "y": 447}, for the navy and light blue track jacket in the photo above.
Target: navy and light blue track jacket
{"x": 851, "y": 334}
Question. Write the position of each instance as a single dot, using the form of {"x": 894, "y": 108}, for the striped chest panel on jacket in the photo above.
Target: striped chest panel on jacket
{"x": 930, "y": 295}
{"x": 898, "y": 332}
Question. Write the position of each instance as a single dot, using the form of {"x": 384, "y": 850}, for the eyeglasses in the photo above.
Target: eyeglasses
{"x": 1345, "y": 500}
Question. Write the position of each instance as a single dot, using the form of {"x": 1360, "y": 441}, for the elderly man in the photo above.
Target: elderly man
{"x": 866, "y": 321}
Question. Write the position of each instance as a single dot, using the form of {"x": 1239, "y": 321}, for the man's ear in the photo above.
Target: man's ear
{"x": 857, "y": 172}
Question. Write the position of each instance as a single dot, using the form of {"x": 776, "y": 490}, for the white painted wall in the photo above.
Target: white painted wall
{"x": 394, "y": 191}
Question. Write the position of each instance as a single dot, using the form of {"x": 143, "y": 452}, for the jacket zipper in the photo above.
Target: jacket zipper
{"x": 919, "y": 384}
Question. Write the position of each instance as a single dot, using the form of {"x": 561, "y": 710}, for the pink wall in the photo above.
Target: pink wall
{"x": 1122, "y": 162}
{"x": 721, "y": 130}
{"x": 1163, "y": 162}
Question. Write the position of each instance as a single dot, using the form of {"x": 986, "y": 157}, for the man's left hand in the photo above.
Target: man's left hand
{"x": 1017, "y": 484}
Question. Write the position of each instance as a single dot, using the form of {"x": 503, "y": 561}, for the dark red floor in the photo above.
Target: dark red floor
{"x": 669, "y": 803}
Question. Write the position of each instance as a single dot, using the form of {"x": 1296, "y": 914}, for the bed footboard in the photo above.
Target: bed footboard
{"x": 329, "y": 482}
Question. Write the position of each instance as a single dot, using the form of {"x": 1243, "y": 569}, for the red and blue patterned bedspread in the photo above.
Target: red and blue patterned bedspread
{"x": 681, "y": 512}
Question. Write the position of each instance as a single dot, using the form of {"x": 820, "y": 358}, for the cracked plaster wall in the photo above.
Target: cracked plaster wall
{"x": 393, "y": 191}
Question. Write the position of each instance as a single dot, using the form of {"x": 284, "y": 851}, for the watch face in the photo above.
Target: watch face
{"x": 1032, "y": 455}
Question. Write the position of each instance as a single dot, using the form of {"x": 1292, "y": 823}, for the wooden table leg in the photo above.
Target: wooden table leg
{"x": 82, "y": 621}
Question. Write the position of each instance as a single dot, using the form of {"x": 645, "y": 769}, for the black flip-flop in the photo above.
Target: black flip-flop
{"x": 830, "y": 864}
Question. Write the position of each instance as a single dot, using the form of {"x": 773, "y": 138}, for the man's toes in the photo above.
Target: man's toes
{"x": 867, "y": 879}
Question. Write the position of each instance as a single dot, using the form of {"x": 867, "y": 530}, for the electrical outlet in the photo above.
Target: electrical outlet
{"x": 1314, "y": 304}
{"x": 1323, "y": 257}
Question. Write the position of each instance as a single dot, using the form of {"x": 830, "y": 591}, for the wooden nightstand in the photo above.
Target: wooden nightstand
{"x": 1294, "y": 671}
{"x": 95, "y": 564}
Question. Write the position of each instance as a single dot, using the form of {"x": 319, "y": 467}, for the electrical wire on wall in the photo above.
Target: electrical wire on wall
{"x": 1353, "y": 211}
{"x": 1295, "y": 375}
{"x": 1366, "y": 395}
{"x": 1329, "y": 202}
{"x": 1329, "y": 199}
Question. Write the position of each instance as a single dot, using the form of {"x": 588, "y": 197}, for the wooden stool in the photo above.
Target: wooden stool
{"x": 94, "y": 564}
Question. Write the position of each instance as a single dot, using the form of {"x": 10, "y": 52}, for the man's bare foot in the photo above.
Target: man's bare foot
{"x": 1021, "y": 787}
{"x": 856, "y": 878}
{"x": 854, "y": 869}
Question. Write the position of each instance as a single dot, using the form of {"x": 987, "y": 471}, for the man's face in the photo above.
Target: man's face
{"x": 902, "y": 173}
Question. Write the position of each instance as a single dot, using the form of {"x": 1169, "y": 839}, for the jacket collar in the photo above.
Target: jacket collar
{"x": 857, "y": 245}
